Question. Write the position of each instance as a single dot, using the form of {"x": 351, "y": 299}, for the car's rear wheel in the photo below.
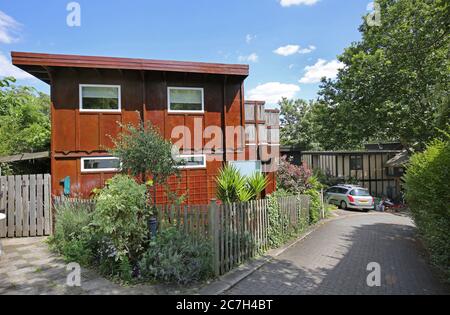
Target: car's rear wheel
{"x": 343, "y": 205}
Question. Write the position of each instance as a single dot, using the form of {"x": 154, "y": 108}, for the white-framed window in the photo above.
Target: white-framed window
{"x": 185, "y": 100}
{"x": 100, "y": 98}
{"x": 192, "y": 161}
{"x": 100, "y": 164}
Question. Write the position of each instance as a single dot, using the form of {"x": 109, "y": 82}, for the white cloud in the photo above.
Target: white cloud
{"x": 288, "y": 3}
{"x": 8, "y": 29}
{"x": 8, "y": 70}
{"x": 250, "y": 58}
{"x": 249, "y": 38}
{"x": 308, "y": 50}
{"x": 272, "y": 92}
{"x": 289, "y": 50}
{"x": 322, "y": 68}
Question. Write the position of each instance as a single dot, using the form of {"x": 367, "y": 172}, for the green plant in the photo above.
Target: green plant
{"x": 176, "y": 257}
{"x": 256, "y": 184}
{"x": 293, "y": 178}
{"x": 144, "y": 152}
{"x": 120, "y": 223}
{"x": 232, "y": 186}
{"x": 428, "y": 197}
{"x": 280, "y": 229}
{"x": 315, "y": 206}
{"x": 71, "y": 238}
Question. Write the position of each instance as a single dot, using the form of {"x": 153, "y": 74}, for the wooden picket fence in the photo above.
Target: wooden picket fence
{"x": 239, "y": 231}
{"x": 26, "y": 201}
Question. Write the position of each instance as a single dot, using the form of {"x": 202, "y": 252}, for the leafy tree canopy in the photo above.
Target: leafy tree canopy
{"x": 395, "y": 82}
{"x": 24, "y": 119}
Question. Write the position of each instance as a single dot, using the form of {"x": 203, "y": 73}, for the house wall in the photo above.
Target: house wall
{"x": 77, "y": 134}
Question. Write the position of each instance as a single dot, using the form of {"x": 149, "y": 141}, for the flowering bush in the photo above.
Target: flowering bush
{"x": 293, "y": 178}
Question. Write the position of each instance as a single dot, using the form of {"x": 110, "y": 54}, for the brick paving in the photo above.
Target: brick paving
{"x": 334, "y": 258}
{"x": 27, "y": 267}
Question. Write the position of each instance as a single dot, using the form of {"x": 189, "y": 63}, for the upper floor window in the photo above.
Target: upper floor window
{"x": 185, "y": 100}
{"x": 103, "y": 98}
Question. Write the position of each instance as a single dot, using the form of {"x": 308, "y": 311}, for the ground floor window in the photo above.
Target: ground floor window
{"x": 192, "y": 161}
{"x": 356, "y": 163}
{"x": 100, "y": 164}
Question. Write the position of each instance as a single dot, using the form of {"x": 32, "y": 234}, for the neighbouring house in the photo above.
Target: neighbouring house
{"x": 369, "y": 167}
{"x": 263, "y": 137}
{"x": 89, "y": 95}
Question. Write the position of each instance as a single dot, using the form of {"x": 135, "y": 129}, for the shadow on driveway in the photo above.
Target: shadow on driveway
{"x": 334, "y": 260}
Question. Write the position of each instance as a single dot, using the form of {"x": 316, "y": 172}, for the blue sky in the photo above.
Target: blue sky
{"x": 289, "y": 44}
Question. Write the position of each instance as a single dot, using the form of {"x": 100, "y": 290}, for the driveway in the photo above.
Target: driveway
{"x": 334, "y": 260}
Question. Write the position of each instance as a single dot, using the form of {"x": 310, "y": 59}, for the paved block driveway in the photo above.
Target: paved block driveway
{"x": 334, "y": 258}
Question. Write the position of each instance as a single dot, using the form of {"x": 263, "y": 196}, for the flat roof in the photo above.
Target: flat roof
{"x": 37, "y": 64}
{"x": 24, "y": 157}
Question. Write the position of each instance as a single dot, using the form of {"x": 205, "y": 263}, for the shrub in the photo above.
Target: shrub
{"x": 143, "y": 151}
{"x": 428, "y": 196}
{"x": 71, "y": 238}
{"x": 293, "y": 178}
{"x": 175, "y": 257}
{"x": 120, "y": 224}
{"x": 315, "y": 202}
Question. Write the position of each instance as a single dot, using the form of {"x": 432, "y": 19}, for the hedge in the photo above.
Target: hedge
{"x": 428, "y": 196}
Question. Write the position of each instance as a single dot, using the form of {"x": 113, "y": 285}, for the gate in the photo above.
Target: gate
{"x": 26, "y": 201}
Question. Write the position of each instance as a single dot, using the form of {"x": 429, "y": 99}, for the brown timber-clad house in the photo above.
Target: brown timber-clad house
{"x": 89, "y": 95}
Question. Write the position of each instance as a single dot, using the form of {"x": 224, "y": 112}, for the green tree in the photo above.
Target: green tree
{"x": 395, "y": 82}
{"x": 144, "y": 152}
{"x": 24, "y": 120}
{"x": 295, "y": 123}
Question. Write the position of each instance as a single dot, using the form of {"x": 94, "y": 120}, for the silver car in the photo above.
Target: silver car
{"x": 350, "y": 197}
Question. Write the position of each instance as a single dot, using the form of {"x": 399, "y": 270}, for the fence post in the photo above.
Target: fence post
{"x": 322, "y": 203}
{"x": 213, "y": 210}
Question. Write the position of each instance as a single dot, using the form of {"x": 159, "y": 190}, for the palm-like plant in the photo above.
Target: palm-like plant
{"x": 232, "y": 186}
{"x": 257, "y": 183}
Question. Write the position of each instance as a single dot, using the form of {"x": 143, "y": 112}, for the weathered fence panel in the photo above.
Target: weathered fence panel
{"x": 25, "y": 199}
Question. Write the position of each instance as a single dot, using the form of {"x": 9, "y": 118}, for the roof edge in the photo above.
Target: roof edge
{"x": 79, "y": 61}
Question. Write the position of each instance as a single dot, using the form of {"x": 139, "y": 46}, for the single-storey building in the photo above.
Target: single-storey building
{"x": 369, "y": 167}
{"x": 90, "y": 95}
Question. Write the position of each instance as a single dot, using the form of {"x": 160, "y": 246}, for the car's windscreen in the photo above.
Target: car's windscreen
{"x": 359, "y": 192}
